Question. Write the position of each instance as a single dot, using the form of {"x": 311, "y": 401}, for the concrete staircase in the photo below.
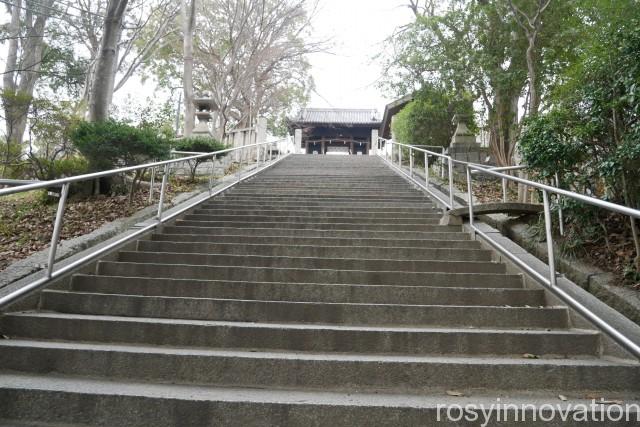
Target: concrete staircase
{"x": 321, "y": 292}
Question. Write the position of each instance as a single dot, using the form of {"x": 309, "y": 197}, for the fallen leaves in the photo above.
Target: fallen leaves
{"x": 27, "y": 222}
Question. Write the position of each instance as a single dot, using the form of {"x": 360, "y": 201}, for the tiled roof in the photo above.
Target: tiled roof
{"x": 337, "y": 116}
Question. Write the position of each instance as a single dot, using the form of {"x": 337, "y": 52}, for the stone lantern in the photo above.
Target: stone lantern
{"x": 463, "y": 143}
{"x": 204, "y": 109}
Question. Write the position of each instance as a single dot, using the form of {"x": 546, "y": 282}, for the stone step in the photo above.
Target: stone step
{"x": 380, "y": 264}
{"x": 455, "y": 232}
{"x": 302, "y": 275}
{"x": 308, "y": 203}
{"x": 432, "y": 219}
{"x": 293, "y": 337}
{"x": 303, "y": 312}
{"x": 377, "y": 196}
{"x": 317, "y": 251}
{"x": 458, "y": 242}
{"x": 328, "y": 193}
{"x": 141, "y": 404}
{"x": 326, "y": 371}
{"x": 321, "y": 213}
{"x": 309, "y": 292}
{"x": 425, "y": 226}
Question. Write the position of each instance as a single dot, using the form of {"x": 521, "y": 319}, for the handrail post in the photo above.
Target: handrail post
{"x": 411, "y": 162}
{"x": 152, "y": 183}
{"x": 504, "y": 190}
{"x": 442, "y": 163}
{"x": 470, "y": 197}
{"x": 426, "y": 169}
{"x": 547, "y": 227}
{"x": 560, "y": 213}
{"x": 163, "y": 190}
{"x": 400, "y": 157}
{"x": 451, "y": 198}
{"x": 57, "y": 228}
{"x": 211, "y": 177}
{"x": 239, "y": 165}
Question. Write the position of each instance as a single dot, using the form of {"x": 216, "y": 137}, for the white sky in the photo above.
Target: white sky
{"x": 346, "y": 79}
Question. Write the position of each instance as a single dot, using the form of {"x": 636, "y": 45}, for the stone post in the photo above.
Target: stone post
{"x": 261, "y": 134}
{"x": 374, "y": 142}
{"x": 297, "y": 141}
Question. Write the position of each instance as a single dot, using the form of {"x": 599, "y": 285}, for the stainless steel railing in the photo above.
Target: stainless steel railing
{"x": 548, "y": 281}
{"x": 261, "y": 163}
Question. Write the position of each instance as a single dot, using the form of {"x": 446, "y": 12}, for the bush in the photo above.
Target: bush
{"x": 46, "y": 169}
{"x": 428, "y": 119}
{"x": 199, "y": 145}
{"x": 548, "y": 146}
{"x": 110, "y": 144}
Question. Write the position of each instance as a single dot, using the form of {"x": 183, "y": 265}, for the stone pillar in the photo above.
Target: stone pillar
{"x": 261, "y": 135}
{"x": 297, "y": 141}
{"x": 374, "y": 142}
{"x": 351, "y": 147}
{"x": 463, "y": 144}
{"x": 322, "y": 147}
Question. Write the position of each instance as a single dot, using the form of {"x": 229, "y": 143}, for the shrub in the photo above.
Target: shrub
{"x": 199, "y": 145}
{"x": 110, "y": 144}
{"x": 428, "y": 119}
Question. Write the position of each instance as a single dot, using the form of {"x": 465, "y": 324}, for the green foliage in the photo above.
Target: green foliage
{"x": 48, "y": 169}
{"x": 428, "y": 119}
{"x": 547, "y": 145}
{"x": 109, "y": 144}
{"x": 199, "y": 145}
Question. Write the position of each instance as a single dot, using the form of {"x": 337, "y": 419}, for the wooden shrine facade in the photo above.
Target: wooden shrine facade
{"x": 335, "y": 131}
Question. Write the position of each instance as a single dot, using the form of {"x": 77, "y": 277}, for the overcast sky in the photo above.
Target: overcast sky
{"x": 346, "y": 79}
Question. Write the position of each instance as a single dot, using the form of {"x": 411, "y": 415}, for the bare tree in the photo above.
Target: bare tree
{"x": 531, "y": 26}
{"x": 252, "y": 54}
{"x": 188, "y": 24}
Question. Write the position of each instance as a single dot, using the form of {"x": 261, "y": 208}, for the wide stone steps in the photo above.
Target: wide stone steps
{"x": 302, "y": 312}
{"x": 296, "y": 337}
{"x": 306, "y": 275}
{"x": 440, "y": 232}
{"x": 454, "y": 241}
{"x": 424, "y": 219}
{"x": 311, "y": 292}
{"x": 326, "y": 371}
{"x": 322, "y": 291}
{"x": 316, "y": 251}
{"x": 301, "y": 212}
{"x": 313, "y": 263}
{"x": 108, "y": 403}
{"x": 425, "y": 226}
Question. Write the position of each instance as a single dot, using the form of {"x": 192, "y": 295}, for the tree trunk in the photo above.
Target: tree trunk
{"x": 19, "y": 84}
{"x": 534, "y": 101}
{"x": 188, "y": 24}
{"x": 104, "y": 78}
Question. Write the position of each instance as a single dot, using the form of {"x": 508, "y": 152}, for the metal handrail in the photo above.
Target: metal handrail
{"x": 262, "y": 149}
{"x": 549, "y": 282}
